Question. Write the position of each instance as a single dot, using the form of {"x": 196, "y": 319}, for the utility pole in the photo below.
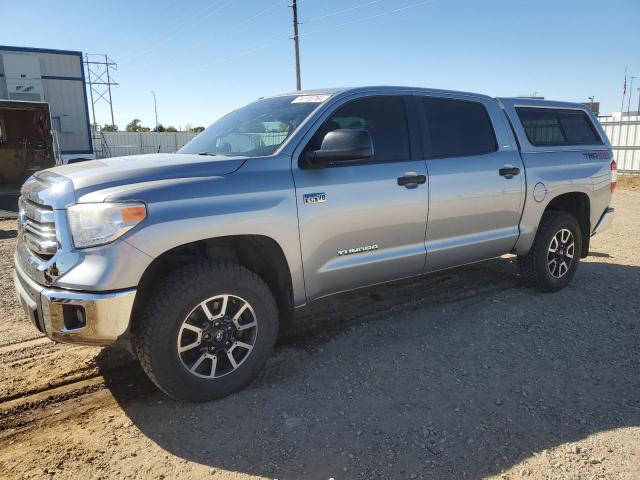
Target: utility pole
{"x": 155, "y": 106}
{"x": 296, "y": 42}
{"x": 591, "y": 102}
{"x": 639, "y": 101}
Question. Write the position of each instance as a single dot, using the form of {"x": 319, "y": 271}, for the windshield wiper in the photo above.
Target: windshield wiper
{"x": 211, "y": 154}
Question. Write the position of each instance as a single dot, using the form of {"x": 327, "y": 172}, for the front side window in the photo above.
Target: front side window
{"x": 255, "y": 130}
{"x": 385, "y": 119}
{"x": 557, "y": 127}
{"x": 457, "y": 128}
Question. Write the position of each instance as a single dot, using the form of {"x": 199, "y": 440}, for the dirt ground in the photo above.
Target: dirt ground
{"x": 462, "y": 374}
{"x": 629, "y": 182}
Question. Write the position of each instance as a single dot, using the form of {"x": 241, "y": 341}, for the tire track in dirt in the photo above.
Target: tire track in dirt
{"x": 30, "y": 358}
{"x": 11, "y": 348}
{"x": 316, "y": 325}
{"x": 70, "y": 399}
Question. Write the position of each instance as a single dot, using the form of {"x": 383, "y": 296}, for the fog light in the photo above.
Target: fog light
{"x": 74, "y": 317}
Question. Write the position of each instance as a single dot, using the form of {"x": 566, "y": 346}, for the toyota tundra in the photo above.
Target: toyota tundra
{"x": 193, "y": 260}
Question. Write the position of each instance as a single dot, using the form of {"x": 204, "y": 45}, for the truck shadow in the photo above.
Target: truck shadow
{"x": 457, "y": 375}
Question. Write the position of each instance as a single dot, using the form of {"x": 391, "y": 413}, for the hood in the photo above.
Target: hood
{"x": 107, "y": 173}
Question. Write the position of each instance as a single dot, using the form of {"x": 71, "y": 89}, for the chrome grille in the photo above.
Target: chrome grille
{"x": 38, "y": 228}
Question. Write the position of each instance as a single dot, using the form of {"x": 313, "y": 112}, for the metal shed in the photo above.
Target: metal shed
{"x": 55, "y": 77}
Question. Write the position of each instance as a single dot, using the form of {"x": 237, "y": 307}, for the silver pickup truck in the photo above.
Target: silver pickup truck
{"x": 194, "y": 259}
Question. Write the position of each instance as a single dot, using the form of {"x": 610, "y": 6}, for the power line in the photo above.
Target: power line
{"x": 257, "y": 15}
{"x": 345, "y": 10}
{"x": 133, "y": 52}
{"x": 279, "y": 37}
{"x": 199, "y": 18}
{"x": 371, "y": 17}
{"x": 234, "y": 28}
{"x": 278, "y": 40}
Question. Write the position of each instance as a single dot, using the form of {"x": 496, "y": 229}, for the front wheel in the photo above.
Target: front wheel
{"x": 553, "y": 259}
{"x": 206, "y": 331}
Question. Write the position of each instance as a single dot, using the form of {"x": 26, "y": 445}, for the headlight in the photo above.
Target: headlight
{"x": 95, "y": 224}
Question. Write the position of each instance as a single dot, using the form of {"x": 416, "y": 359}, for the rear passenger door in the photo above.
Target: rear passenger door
{"x": 360, "y": 222}
{"x": 476, "y": 180}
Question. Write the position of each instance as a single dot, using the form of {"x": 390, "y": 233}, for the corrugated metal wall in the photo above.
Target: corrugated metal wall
{"x": 624, "y": 136}
{"x": 66, "y": 100}
{"x": 117, "y": 144}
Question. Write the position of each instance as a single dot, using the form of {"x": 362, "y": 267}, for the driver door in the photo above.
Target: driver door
{"x": 362, "y": 222}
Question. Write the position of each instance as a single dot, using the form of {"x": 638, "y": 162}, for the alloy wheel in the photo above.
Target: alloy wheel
{"x": 561, "y": 252}
{"x": 217, "y": 336}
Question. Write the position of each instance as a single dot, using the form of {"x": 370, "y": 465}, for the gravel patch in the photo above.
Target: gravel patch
{"x": 464, "y": 374}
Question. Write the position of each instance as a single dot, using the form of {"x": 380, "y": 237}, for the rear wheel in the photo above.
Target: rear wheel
{"x": 206, "y": 331}
{"x": 553, "y": 259}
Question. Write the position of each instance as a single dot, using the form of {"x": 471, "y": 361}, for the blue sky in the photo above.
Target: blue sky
{"x": 204, "y": 58}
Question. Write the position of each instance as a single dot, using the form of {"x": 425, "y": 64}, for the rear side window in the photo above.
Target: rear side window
{"x": 385, "y": 119}
{"x": 457, "y": 128}
{"x": 557, "y": 127}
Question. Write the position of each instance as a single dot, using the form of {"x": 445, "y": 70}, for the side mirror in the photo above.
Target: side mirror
{"x": 341, "y": 145}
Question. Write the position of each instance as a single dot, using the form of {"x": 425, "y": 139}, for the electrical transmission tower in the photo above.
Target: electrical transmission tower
{"x": 99, "y": 80}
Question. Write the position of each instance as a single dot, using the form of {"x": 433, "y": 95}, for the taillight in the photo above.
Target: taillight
{"x": 614, "y": 175}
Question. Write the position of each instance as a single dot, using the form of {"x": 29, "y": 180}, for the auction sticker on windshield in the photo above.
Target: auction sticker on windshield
{"x": 310, "y": 99}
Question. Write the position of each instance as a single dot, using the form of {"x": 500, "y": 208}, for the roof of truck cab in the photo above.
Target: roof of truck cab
{"x": 540, "y": 103}
{"x": 394, "y": 88}
{"x": 378, "y": 88}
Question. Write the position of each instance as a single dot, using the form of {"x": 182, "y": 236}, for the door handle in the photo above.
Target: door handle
{"x": 508, "y": 171}
{"x": 411, "y": 180}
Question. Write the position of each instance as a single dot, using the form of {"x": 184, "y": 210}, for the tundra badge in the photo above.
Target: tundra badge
{"x": 351, "y": 251}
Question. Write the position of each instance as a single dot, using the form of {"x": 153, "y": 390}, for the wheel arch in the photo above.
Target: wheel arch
{"x": 577, "y": 204}
{"x": 259, "y": 253}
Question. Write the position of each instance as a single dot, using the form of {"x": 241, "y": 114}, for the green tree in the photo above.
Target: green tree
{"x": 134, "y": 125}
{"x": 159, "y": 128}
{"x": 171, "y": 128}
{"x": 109, "y": 128}
{"x": 196, "y": 129}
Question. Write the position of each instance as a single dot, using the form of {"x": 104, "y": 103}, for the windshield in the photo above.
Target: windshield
{"x": 255, "y": 130}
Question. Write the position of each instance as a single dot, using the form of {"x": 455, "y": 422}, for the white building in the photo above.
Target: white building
{"x": 55, "y": 77}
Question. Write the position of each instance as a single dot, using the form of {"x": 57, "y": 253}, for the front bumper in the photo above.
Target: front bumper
{"x": 605, "y": 220}
{"x": 106, "y": 315}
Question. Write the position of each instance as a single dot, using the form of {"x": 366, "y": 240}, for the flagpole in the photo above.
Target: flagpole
{"x": 624, "y": 92}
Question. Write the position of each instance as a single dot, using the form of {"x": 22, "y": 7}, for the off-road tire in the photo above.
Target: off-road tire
{"x": 533, "y": 267}
{"x": 157, "y": 326}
